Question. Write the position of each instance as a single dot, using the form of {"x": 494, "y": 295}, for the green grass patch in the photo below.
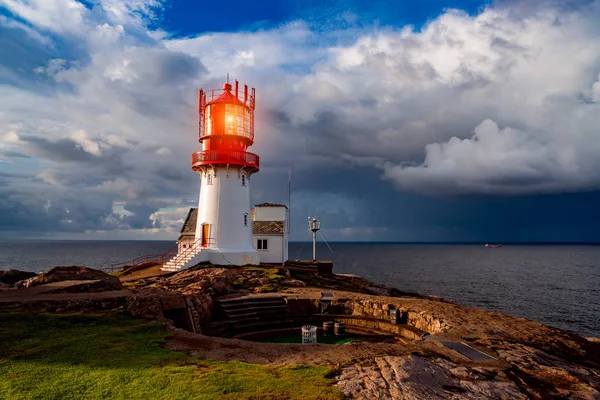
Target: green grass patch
{"x": 46, "y": 356}
{"x": 268, "y": 288}
{"x": 273, "y": 274}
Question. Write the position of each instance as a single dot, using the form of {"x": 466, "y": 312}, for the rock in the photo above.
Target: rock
{"x": 12, "y": 276}
{"x": 296, "y": 283}
{"x": 219, "y": 287}
{"x": 378, "y": 291}
{"x": 4, "y": 287}
{"x": 413, "y": 377}
{"x": 146, "y": 304}
{"x": 94, "y": 286}
{"x": 74, "y": 273}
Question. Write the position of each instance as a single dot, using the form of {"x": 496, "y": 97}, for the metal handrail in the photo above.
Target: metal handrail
{"x": 198, "y": 243}
{"x": 213, "y": 94}
{"x": 172, "y": 254}
{"x": 156, "y": 257}
{"x": 234, "y": 157}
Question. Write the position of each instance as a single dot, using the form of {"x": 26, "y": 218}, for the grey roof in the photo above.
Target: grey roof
{"x": 189, "y": 226}
{"x": 270, "y": 205}
{"x": 258, "y": 227}
{"x": 267, "y": 227}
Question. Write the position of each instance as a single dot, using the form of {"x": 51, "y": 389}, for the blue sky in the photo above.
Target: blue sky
{"x": 186, "y": 18}
{"x": 400, "y": 121}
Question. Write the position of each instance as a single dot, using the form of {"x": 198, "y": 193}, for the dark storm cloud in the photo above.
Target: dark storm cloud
{"x": 414, "y": 217}
{"x": 12, "y": 154}
{"x": 140, "y": 217}
{"x": 63, "y": 150}
{"x": 36, "y": 210}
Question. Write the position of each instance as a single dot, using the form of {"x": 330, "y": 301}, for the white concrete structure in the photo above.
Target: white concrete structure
{"x": 270, "y": 232}
{"x": 223, "y": 234}
{"x": 267, "y": 226}
{"x": 224, "y": 222}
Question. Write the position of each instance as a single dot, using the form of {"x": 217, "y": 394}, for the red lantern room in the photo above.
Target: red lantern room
{"x": 226, "y": 128}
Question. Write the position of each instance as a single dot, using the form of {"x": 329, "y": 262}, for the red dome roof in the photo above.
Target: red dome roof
{"x": 227, "y": 97}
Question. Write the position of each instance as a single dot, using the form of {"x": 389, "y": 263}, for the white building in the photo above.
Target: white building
{"x": 269, "y": 224}
{"x": 270, "y": 232}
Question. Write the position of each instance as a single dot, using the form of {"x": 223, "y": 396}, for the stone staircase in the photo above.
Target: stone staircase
{"x": 179, "y": 261}
{"x": 233, "y": 317}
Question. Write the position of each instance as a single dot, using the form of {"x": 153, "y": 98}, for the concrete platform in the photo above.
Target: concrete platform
{"x": 321, "y": 267}
{"x": 463, "y": 349}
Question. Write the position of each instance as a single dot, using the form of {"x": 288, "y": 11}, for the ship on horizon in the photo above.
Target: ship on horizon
{"x": 493, "y": 246}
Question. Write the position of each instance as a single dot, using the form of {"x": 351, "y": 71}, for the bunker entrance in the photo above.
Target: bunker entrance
{"x": 180, "y": 318}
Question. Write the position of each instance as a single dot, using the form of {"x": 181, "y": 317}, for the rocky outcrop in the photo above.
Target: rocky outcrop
{"x": 542, "y": 375}
{"x": 146, "y": 303}
{"x": 530, "y": 360}
{"x": 12, "y": 276}
{"x": 527, "y": 374}
{"x": 76, "y": 273}
{"x": 413, "y": 377}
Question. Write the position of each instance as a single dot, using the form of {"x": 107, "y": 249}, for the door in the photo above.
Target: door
{"x": 205, "y": 235}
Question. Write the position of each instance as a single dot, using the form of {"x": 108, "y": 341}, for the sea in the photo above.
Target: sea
{"x": 558, "y": 285}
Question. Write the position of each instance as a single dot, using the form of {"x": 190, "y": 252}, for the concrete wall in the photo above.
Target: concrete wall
{"x": 270, "y": 213}
{"x": 224, "y": 204}
{"x": 371, "y": 309}
{"x": 275, "y": 252}
{"x": 187, "y": 241}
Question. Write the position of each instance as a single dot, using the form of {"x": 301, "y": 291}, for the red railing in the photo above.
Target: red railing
{"x": 161, "y": 258}
{"x": 246, "y": 97}
{"x": 225, "y": 157}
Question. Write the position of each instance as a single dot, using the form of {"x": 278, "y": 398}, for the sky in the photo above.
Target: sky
{"x": 399, "y": 121}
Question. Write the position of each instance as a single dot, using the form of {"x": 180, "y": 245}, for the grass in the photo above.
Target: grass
{"x": 46, "y": 356}
{"x": 273, "y": 274}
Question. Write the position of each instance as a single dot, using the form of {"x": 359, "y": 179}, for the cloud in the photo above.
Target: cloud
{"x": 503, "y": 161}
{"x": 62, "y": 16}
{"x": 415, "y": 98}
{"x": 98, "y": 105}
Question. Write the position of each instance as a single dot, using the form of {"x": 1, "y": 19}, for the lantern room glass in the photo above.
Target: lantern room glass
{"x": 237, "y": 121}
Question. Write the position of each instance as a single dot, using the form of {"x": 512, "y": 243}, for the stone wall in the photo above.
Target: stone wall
{"x": 369, "y": 308}
{"x": 152, "y": 305}
{"x": 374, "y": 310}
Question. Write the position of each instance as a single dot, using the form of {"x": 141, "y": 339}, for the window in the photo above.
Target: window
{"x": 209, "y": 178}
{"x": 245, "y": 219}
{"x": 261, "y": 244}
{"x": 243, "y": 180}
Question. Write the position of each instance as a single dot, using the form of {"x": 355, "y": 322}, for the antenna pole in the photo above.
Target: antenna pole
{"x": 290, "y": 201}
{"x": 314, "y": 245}
{"x": 314, "y": 225}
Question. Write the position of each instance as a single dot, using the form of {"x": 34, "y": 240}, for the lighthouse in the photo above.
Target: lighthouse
{"x": 223, "y": 233}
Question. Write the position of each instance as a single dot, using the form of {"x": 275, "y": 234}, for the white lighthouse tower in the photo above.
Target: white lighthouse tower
{"x": 224, "y": 226}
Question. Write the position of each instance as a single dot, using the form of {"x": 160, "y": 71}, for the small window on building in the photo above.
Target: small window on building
{"x": 243, "y": 180}
{"x": 184, "y": 246}
{"x": 245, "y": 219}
{"x": 209, "y": 179}
{"x": 261, "y": 244}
